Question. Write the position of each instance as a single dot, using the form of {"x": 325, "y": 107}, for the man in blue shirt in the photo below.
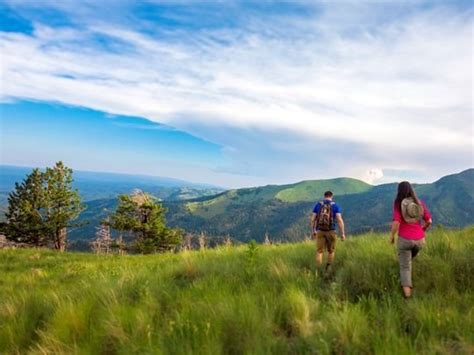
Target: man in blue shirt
{"x": 323, "y": 224}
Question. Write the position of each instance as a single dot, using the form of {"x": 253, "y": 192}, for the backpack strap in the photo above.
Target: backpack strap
{"x": 321, "y": 204}
{"x": 332, "y": 203}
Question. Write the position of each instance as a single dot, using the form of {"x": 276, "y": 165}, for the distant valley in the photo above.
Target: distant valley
{"x": 99, "y": 186}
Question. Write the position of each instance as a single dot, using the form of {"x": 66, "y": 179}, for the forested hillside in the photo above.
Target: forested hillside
{"x": 283, "y": 211}
{"x": 250, "y": 213}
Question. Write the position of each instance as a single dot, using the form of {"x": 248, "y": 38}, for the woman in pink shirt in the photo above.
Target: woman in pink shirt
{"x": 408, "y": 212}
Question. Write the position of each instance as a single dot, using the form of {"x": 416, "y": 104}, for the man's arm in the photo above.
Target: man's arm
{"x": 340, "y": 223}
{"x": 394, "y": 231}
{"x": 313, "y": 222}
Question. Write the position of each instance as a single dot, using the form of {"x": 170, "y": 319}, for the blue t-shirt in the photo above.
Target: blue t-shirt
{"x": 335, "y": 209}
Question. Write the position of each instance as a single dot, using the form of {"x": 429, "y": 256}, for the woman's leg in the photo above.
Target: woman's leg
{"x": 419, "y": 244}
{"x": 404, "y": 256}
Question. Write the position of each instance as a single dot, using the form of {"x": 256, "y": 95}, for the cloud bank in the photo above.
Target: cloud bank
{"x": 332, "y": 91}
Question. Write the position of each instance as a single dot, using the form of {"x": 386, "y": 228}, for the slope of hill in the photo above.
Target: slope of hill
{"x": 283, "y": 211}
{"x": 313, "y": 190}
{"x": 300, "y": 192}
{"x": 250, "y": 213}
{"x": 244, "y": 300}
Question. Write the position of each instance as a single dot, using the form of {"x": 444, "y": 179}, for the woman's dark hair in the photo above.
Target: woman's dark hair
{"x": 405, "y": 190}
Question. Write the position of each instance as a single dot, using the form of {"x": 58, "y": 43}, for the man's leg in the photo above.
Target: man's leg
{"x": 320, "y": 245}
{"x": 319, "y": 258}
{"x": 331, "y": 257}
{"x": 331, "y": 239}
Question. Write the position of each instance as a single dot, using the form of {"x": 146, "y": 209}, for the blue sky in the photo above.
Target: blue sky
{"x": 43, "y": 133}
{"x": 239, "y": 93}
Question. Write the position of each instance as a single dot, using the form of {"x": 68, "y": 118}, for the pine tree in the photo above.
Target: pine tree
{"x": 144, "y": 217}
{"x": 26, "y": 209}
{"x": 63, "y": 204}
{"x": 41, "y": 208}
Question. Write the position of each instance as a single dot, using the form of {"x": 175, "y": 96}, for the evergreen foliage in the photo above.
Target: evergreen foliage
{"x": 63, "y": 204}
{"x": 142, "y": 216}
{"x": 42, "y": 207}
{"x": 26, "y": 211}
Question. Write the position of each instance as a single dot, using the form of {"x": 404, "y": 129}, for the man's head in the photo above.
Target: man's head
{"x": 328, "y": 195}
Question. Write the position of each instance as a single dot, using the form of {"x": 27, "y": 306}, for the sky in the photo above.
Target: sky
{"x": 239, "y": 93}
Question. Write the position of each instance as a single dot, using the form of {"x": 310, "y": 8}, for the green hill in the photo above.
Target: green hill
{"x": 313, "y": 190}
{"x": 251, "y": 212}
{"x": 240, "y": 300}
{"x": 283, "y": 211}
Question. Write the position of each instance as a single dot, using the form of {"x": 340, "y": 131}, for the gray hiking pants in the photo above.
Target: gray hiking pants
{"x": 407, "y": 250}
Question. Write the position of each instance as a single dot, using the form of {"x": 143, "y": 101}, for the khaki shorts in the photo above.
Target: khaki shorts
{"x": 326, "y": 240}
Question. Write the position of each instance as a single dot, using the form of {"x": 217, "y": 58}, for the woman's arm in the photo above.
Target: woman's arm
{"x": 397, "y": 219}
{"x": 394, "y": 231}
{"x": 426, "y": 218}
{"x": 427, "y": 224}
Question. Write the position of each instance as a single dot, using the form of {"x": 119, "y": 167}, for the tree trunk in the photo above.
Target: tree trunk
{"x": 60, "y": 242}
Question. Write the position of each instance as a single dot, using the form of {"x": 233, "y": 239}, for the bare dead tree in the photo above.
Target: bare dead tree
{"x": 3, "y": 241}
{"x": 95, "y": 246}
{"x": 140, "y": 197}
{"x": 121, "y": 245}
{"x": 103, "y": 240}
{"x": 267, "y": 240}
{"x": 227, "y": 241}
{"x": 202, "y": 241}
{"x": 188, "y": 242}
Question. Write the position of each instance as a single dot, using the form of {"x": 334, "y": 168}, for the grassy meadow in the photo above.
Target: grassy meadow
{"x": 240, "y": 300}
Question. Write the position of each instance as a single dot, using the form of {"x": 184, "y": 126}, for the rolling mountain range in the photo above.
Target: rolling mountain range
{"x": 282, "y": 211}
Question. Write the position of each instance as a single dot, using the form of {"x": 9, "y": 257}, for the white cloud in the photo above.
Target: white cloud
{"x": 373, "y": 175}
{"x": 404, "y": 89}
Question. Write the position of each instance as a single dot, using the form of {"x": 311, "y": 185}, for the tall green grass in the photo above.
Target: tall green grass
{"x": 243, "y": 300}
